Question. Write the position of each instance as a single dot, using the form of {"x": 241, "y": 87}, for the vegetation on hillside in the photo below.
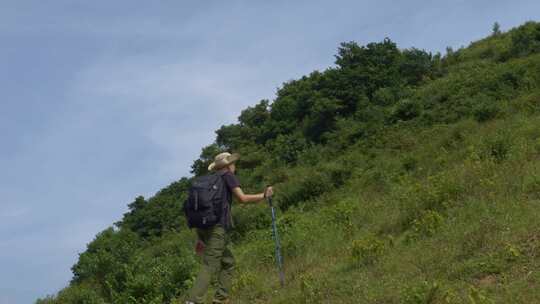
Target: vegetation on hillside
{"x": 401, "y": 177}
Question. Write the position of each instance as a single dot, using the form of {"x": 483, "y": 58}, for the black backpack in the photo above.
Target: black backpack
{"x": 204, "y": 206}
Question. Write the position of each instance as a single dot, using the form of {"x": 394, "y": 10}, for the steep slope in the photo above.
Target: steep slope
{"x": 401, "y": 177}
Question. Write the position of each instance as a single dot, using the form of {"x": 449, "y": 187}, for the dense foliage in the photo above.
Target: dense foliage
{"x": 418, "y": 171}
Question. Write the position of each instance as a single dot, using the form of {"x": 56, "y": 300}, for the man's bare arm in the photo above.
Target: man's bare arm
{"x": 248, "y": 198}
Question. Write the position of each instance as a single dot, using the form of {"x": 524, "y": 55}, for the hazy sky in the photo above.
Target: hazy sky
{"x": 101, "y": 101}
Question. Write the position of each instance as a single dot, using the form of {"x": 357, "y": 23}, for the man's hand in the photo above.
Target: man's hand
{"x": 269, "y": 191}
{"x": 199, "y": 247}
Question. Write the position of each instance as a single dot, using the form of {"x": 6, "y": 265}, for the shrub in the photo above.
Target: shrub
{"x": 299, "y": 231}
{"x": 338, "y": 172}
{"x": 80, "y": 294}
{"x": 157, "y": 273}
{"x": 405, "y": 109}
{"x": 492, "y": 263}
{"x": 46, "y": 300}
{"x": 244, "y": 280}
{"x": 409, "y": 163}
{"x": 384, "y": 96}
{"x": 485, "y": 111}
{"x": 511, "y": 252}
{"x": 526, "y": 39}
{"x": 423, "y": 293}
{"x": 456, "y": 137}
{"x": 479, "y": 267}
{"x": 477, "y": 296}
{"x": 308, "y": 185}
{"x": 259, "y": 244}
{"x": 497, "y": 147}
{"x": 342, "y": 215}
{"x": 310, "y": 288}
{"x": 287, "y": 148}
{"x": 250, "y": 219}
{"x": 426, "y": 225}
{"x": 437, "y": 193}
{"x": 367, "y": 250}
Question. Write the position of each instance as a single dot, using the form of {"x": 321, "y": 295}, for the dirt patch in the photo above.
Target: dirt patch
{"x": 486, "y": 281}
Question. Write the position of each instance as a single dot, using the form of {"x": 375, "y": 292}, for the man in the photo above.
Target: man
{"x": 217, "y": 256}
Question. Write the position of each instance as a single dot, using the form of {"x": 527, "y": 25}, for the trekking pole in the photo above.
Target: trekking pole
{"x": 279, "y": 259}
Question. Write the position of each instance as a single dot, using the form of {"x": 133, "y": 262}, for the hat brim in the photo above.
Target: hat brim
{"x": 229, "y": 160}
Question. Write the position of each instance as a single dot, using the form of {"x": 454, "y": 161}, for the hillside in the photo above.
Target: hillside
{"x": 400, "y": 176}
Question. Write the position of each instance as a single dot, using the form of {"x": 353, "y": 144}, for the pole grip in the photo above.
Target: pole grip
{"x": 269, "y": 200}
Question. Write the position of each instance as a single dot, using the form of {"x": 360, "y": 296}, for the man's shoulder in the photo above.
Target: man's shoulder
{"x": 228, "y": 173}
{"x": 230, "y": 179}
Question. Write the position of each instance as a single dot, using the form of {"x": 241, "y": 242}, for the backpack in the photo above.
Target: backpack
{"x": 204, "y": 206}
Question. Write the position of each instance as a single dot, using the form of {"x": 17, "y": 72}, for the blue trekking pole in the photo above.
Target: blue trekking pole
{"x": 279, "y": 259}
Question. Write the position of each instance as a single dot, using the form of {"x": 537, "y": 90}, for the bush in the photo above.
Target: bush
{"x": 486, "y": 110}
{"x": 491, "y": 263}
{"x": 287, "y": 148}
{"x": 405, "y": 109}
{"x": 367, "y": 250}
{"x": 526, "y": 39}
{"x": 426, "y": 225}
{"x": 529, "y": 103}
{"x": 106, "y": 256}
{"x": 409, "y": 163}
{"x": 343, "y": 215}
{"x": 308, "y": 185}
{"x": 300, "y": 231}
{"x": 454, "y": 139}
{"x": 46, "y": 300}
{"x": 159, "y": 272}
{"x": 251, "y": 218}
{"x": 80, "y": 294}
{"x": 311, "y": 288}
{"x": 417, "y": 199}
{"x": 497, "y": 147}
{"x": 244, "y": 280}
{"x": 259, "y": 245}
{"x": 477, "y": 296}
{"x": 424, "y": 293}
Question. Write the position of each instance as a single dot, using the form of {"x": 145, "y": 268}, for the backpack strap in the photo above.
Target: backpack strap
{"x": 221, "y": 173}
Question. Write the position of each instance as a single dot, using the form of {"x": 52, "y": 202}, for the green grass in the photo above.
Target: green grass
{"x": 460, "y": 226}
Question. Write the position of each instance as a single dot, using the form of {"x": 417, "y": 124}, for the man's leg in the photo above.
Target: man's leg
{"x": 214, "y": 238}
{"x": 225, "y": 276}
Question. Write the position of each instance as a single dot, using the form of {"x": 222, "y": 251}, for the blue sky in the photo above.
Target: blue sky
{"x": 101, "y": 101}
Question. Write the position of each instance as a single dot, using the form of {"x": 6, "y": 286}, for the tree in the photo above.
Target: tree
{"x": 496, "y": 30}
{"x": 251, "y": 128}
{"x": 415, "y": 65}
{"x": 322, "y": 118}
{"x": 200, "y": 166}
{"x": 526, "y": 39}
{"x": 368, "y": 68}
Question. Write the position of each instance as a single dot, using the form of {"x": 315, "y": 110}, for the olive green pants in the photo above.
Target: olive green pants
{"x": 217, "y": 261}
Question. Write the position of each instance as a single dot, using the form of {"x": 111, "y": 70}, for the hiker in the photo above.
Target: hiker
{"x": 216, "y": 255}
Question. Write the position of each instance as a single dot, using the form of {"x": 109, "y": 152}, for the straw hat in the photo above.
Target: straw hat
{"x": 222, "y": 160}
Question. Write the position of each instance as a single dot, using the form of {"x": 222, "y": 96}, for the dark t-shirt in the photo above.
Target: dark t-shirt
{"x": 231, "y": 182}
